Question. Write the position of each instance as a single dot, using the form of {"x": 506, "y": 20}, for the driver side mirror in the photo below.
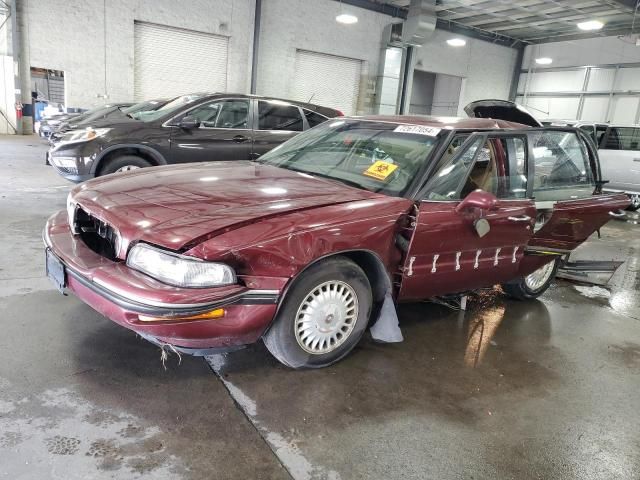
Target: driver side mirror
{"x": 189, "y": 123}
{"x": 478, "y": 199}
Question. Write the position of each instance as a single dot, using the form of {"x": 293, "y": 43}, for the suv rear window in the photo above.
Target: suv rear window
{"x": 314, "y": 118}
{"x": 277, "y": 116}
{"x": 623, "y": 138}
{"x": 561, "y": 166}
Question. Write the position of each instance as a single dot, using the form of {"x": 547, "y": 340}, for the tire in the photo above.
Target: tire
{"x": 525, "y": 288}
{"x": 121, "y": 163}
{"x": 635, "y": 202}
{"x": 344, "y": 315}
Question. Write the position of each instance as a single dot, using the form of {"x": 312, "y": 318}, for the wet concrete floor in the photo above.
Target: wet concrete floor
{"x": 542, "y": 389}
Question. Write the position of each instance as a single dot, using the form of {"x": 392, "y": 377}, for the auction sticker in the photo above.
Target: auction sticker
{"x": 418, "y": 130}
{"x": 380, "y": 170}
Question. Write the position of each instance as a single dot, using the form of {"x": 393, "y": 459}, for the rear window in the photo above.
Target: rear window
{"x": 623, "y": 138}
{"x": 561, "y": 167}
{"x": 278, "y": 116}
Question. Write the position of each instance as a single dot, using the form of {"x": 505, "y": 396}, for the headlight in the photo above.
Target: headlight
{"x": 71, "y": 213}
{"x": 179, "y": 270}
{"x": 77, "y": 136}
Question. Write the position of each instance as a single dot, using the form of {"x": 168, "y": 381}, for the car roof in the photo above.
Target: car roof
{"x": 327, "y": 111}
{"x": 446, "y": 122}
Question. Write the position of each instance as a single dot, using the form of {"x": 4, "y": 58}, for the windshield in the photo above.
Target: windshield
{"x": 171, "y": 107}
{"x": 374, "y": 156}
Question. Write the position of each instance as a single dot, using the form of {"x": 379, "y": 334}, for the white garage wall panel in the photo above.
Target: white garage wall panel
{"x": 628, "y": 79}
{"x": 557, "y": 108}
{"x": 624, "y": 109}
{"x": 594, "y": 108}
{"x": 172, "y": 61}
{"x": 601, "y": 79}
{"x": 565, "y": 81}
{"x": 327, "y": 80}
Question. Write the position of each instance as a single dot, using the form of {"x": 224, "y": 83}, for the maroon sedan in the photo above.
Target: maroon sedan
{"x": 306, "y": 247}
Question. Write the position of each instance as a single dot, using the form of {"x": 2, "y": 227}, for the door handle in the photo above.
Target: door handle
{"x": 240, "y": 138}
{"x": 618, "y": 214}
{"x": 521, "y": 218}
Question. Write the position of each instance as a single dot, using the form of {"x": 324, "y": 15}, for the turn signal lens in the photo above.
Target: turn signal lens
{"x": 213, "y": 314}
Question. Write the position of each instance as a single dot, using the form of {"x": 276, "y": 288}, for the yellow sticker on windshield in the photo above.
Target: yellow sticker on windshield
{"x": 380, "y": 170}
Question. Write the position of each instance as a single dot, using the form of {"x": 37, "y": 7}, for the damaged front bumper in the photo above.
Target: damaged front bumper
{"x": 160, "y": 313}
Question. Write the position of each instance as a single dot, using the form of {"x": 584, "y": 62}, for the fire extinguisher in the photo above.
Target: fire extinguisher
{"x": 18, "y": 110}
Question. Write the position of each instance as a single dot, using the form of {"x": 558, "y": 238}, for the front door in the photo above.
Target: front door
{"x": 224, "y": 133}
{"x": 462, "y": 241}
{"x": 275, "y": 122}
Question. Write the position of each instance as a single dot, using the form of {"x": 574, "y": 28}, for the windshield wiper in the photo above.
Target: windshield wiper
{"x": 350, "y": 183}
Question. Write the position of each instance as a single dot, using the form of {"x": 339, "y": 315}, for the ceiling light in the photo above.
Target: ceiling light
{"x": 591, "y": 25}
{"x": 456, "y": 42}
{"x": 544, "y": 61}
{"x": 347, "y": 18}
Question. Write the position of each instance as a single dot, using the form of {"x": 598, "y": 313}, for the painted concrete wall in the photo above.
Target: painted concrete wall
{"x": 70, "y": 36}
{"x": 486, "y": 68}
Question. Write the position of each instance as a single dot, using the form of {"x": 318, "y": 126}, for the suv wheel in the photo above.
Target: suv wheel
{"x": 123, "y": 163}
{"x": 323, "y": 316}
{"x": 635, "y": 202}
{"x": 534, "y": 284}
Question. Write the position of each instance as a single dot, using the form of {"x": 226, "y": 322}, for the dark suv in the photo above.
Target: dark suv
{"x": 192, "y": 128}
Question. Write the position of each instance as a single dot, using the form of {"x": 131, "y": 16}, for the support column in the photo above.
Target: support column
{"x": 22, "y": 66}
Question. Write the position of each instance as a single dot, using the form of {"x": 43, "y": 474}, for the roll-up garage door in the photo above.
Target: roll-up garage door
{"x": 171, "y": 61}
{"x": 327, "y": 80}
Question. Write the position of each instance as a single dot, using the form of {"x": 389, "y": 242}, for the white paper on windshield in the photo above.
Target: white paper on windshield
{"x": 418, "y": 130}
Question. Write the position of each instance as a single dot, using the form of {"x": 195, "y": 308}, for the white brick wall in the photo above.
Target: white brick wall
{"x": 288, "y": 25}
{"x": 486, "y": 68}
{"x": 69, "y": 35}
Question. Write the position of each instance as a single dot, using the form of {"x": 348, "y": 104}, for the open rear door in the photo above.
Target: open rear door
{"x": 501, "y": 110}
{"x": 566, "y": 224}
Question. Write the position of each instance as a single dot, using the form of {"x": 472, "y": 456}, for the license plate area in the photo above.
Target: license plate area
{"x": 55, "y": 271}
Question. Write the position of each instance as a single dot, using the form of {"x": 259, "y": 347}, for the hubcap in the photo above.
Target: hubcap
{"x": 326, "y": 317}
{"x": 126, "y": 168}
{"x": 537, "y": 279}
{"x": 635, "y": 201}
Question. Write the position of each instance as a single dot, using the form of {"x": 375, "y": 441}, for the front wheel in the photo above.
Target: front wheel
{"x": 534, "y": 284}
{"x": 323, "y": 316}
{"x": 123, "y": 163}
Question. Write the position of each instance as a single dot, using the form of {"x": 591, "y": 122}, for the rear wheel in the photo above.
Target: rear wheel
{"x": 323, "y": 316}
{"x": 123, "y": 163}
{"x": 534, "y": 284}
{"x": 635, "y": 202}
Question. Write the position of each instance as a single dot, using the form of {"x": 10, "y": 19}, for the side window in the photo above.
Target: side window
{"x": 448, "y": 176}
{"x": 278, "y": 116}
{"x": 561, "y": 166}
{"x": 623, "y": 138}
{"x": 314, "y": 118}
{"x": 222, "y": 114}
{"x": 500, "y": 169}
{"x": 600, "y": 131}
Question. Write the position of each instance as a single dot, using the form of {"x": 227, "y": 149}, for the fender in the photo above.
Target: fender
{"x": 157, "y": 156}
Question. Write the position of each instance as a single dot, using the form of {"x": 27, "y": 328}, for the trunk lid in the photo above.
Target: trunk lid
{"x": 501, "y": 110}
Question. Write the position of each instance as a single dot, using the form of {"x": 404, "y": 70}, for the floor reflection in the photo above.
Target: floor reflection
{"x": 482, "y": 328}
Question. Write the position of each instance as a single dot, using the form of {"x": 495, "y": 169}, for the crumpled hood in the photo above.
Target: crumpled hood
{"x": 176, "y": 206}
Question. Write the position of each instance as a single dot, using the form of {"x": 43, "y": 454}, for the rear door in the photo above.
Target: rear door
{"x": 275, "y": 122}
{"x": 620, "y": 159}
{"x": 564, "y": 169}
